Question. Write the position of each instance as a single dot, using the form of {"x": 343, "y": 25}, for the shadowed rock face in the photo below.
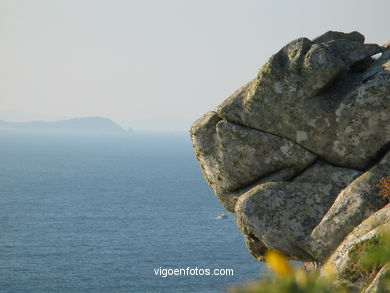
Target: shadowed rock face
{"x": 233, "y": 156}
{"x": 297, "y": 152}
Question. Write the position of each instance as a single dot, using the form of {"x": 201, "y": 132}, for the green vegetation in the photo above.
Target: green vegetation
{"x": 296, "y": 283}
{"x": 378, "y": 254}
{"x": 366, "y": 259}
{"x": 358, "y": 267}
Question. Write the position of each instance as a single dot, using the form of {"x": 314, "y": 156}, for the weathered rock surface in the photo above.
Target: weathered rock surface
{"x": 322, "y": 172}
{"x": 310, "y": 93}
{"x": 354, "y": 204}
{"x": 298, "y": 152}
{"x": 282, "y": 214}
{"x": 376, "y": 285}
{"x": 377, "y": 223}
{"x": 233, "y": 156}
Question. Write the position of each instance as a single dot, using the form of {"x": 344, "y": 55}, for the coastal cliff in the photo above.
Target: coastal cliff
{"x": 301, "y": 154}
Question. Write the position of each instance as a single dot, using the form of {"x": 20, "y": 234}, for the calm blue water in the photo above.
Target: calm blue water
{"x": 99, "y": 214}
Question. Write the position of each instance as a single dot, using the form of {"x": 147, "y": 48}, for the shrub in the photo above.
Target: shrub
{"x": 358, "y": 268}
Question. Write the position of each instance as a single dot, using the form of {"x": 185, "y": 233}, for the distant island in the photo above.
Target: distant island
{"x": 84, "y": 125}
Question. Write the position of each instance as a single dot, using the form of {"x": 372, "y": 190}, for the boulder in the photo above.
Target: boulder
{"x": 283, "y": 214}
{"x": 298, "y": 152}
{"x": 354, "y": 204}
{"x": 316, "y": 94}
{"x": 233, "y": 157}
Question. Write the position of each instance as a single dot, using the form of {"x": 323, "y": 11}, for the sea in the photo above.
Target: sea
{"x": 112, "y": 213}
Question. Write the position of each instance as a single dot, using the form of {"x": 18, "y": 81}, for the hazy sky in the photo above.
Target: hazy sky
{"x": 153, "y": 64}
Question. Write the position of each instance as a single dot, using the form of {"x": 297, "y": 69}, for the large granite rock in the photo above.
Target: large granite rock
{"x": 282, "y": 214}
{"x": 233, "y": 157}
{"x": 297, "y": 153}
{"x": 354, "y": 204}
{"x": 327, "y": 95}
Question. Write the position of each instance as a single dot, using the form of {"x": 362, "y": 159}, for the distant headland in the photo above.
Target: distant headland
{"x": 80, "y": 125}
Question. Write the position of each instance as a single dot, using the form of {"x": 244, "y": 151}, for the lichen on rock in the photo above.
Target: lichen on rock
{"x": 298, "y": 152}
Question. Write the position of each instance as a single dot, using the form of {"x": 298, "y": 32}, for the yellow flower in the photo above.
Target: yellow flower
{"x": 329, "y": 272}
{"x": 278, "y": 263}
{"x": 301, "y": 278}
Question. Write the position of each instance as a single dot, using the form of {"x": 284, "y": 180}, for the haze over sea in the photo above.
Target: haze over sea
{"x": 98, "y": 213}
